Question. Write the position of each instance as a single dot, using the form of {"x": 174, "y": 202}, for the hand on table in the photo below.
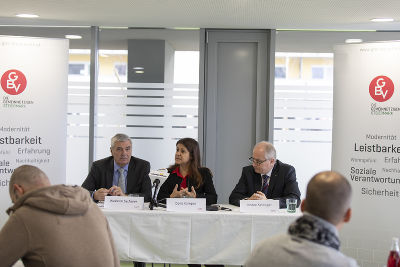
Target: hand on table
{"x": 258, "y": 196}
{"x": 100, "y": 194}
{"x": 116, "y": 191}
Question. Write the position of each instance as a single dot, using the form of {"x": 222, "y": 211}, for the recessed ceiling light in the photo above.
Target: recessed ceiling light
{"x": 30, "y": 16}
{"x": 138, "y": 68}
{"x": 139, "y": 71}
{"x": 353, "y": 41}
{"x": 382, "y": 20}
{"x": 72, "y": 36}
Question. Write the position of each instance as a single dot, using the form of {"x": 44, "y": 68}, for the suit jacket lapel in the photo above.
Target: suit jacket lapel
{"x": 274, "y": 178}
{"x": 130, "y": 175}
{"x": 110, "y": 174}
{"x": 257, "y": 181}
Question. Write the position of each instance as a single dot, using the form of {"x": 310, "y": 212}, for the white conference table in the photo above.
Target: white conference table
{"x": 211, "y": 237}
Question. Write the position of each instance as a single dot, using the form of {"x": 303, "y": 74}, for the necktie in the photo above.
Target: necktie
{"x": 121, "y": 180}
{"x": 265, "y": 183}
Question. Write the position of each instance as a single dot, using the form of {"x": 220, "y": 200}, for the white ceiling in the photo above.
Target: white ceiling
{"x": 348, "y": 16}
{"x": 260, "y": 14}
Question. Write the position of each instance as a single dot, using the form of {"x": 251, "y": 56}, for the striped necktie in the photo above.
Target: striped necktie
{"x": 121, "y": 180}
{"x": 265, "y": 183}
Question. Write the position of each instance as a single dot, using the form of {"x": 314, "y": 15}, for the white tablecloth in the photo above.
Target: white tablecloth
{"x": 212, "y": 237}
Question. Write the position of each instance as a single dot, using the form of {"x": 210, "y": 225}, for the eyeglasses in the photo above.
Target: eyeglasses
{"x": 256, "y": 161}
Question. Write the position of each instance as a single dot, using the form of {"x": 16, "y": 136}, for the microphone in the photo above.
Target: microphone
{"x": 156, "y": 185}
{"x": 156, "y": 182}
{"x": 153, "y": 201}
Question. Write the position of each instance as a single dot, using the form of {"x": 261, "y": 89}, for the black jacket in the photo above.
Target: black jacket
{"x": 206, "y": 190}
{"x": 138, "y": 181}
{"x": 282, "y": 184}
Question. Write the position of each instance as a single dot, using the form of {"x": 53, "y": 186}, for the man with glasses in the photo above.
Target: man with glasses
{"x": 266, "y": 178}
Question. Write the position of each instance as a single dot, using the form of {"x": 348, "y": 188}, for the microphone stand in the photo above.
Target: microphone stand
{"x": 153, "y": 201}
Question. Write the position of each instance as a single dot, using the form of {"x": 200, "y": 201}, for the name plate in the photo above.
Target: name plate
{"x": 259, "y": 206}
{"x": 124, "y": 203}
{"x": 186, "y": 204}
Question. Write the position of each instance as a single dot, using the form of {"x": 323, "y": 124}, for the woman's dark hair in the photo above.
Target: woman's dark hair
{"x": 194, "y": 160}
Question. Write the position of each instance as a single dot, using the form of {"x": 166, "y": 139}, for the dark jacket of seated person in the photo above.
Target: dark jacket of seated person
{"x": 138, "y": 181}
{"x": 205, "y": 190}
{"x": 282, "y": 184}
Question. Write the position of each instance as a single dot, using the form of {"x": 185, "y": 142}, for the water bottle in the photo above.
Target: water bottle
{"x": 393, "y": 259}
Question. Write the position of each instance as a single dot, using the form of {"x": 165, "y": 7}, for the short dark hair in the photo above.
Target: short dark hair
{"x": 328, "y": 196}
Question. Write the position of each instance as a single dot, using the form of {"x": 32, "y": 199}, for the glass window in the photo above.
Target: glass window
{"x": 280, "y": 72}
{"x": 78, "y": 69}
{"x": 303, "y": 114}
{"x": 304, "y": 100}
{"x": 148, "y": 89}
{"x": 317, "y": 72}
{"x": 120, "y": 68}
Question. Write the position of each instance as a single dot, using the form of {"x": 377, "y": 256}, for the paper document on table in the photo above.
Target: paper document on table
{"x": 159, "y": 172}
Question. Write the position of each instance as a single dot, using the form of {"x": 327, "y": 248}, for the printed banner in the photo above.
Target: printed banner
{"x": 33, "y": 95}
{"x": 366, "y": 145}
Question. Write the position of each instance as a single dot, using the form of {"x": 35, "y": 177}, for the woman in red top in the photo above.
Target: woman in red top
{"x": 187, "y": 178}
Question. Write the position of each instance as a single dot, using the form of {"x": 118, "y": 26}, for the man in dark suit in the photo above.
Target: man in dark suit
{"x": 266, "y": 178}
{"x": 121, "y": 174}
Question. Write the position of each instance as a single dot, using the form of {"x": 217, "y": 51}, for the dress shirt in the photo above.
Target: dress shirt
{"x": 116, "y": 173}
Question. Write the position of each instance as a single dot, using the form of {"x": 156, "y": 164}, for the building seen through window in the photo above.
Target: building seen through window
{"x": 303, "y": 111}
{"x": 154, "y": 114}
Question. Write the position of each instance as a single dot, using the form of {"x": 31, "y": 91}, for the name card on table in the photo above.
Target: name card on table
{"x": 259, "y": 206}
{"x": 124, "y": 203}
{"x": 186, "y": 204}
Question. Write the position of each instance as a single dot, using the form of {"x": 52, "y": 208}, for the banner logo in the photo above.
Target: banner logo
{"x": 13, "y": 82}
{"x": 381, "y": 88}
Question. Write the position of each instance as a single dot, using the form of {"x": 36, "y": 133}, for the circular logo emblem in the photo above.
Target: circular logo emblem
{"x": 13, "y": 82}
{"x": 381, "y": 88}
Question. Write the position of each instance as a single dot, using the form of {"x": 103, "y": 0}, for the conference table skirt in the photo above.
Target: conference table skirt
{"x": 211, "y": 237}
